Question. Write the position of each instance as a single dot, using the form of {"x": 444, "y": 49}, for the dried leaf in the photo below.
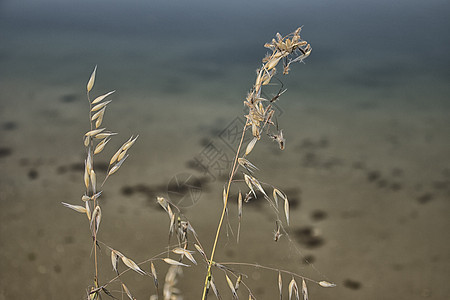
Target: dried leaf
{"x": 174, "y": 262}
{"x": 77, "y": 208}
{"x": 91, "y": 81}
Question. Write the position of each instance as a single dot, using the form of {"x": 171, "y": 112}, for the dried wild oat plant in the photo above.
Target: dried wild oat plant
{"x": 259, "y": 121}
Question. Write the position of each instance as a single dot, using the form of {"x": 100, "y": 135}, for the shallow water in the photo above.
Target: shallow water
{"x": 367, "y": 121}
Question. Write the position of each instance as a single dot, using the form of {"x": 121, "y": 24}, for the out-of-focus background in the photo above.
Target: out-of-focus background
{"x": 366, "y": 119}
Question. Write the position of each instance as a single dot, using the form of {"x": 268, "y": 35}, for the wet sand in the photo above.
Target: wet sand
{"x": 369, "y": 189}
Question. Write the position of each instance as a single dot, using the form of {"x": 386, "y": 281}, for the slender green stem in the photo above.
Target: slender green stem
{"x": 232, "y": 173}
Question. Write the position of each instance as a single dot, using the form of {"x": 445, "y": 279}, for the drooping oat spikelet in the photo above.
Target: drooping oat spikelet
{"x": 286, "y": 210}
{"x": 280, "y": 285}
{"x": 174, "y": 262}
{"x": 100, "y": 98}
{"x": 99, "y": 148}
{"x": 94, "y": 132}
{"x": 155, "y": 276}
{"x": 324, "y": 283}
{"x": 91, "y": 81}
{"x": 214, "y": 288}
{"x": 250, "y": 146}
{"x": 100, "y": 105}
{"x": 231, "y": 286}
{"x": 132, "y": 265}
{"x": 117, "y": 166}
{"x": 293, "y": 289}
{"x": 304, "y": 290}
{"x": 115, "y": 260}
{"x": 88, "y": 210}
{"x": 186, "y": 253}
{"x": 127, "y": 291}
{"x": 96, "y": 218}
{"x": 77, "y": 208}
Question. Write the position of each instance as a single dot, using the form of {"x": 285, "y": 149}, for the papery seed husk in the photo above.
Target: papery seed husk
{"x": 186, "y": 253}
{"x": 114, "y": 158}
{"x": 132, "y": 265}
{"x": 250, "y": 146}
{"x": 88, "y": 210}
{"x": 85, "y": 198}
{"x": 128, "y": 144}
{"x": 94, "y": 132}
{"x": 117, "y": 166}
{"x": 200, "y": 250}
{"x": 100, "y": 105}
{"x": 238, "y": 282}
{"x": 231, "y": 286}
{"x": 91, "y": 81}
{"x": 240, "y": 205}
{"x": 99, "y": 148}
{"x": 155, "y": 277}
{"x": 304, "y": 290}
{"x": 87, "y": 140}
{"x": 174, "y": 262}
{"x": 127, "y": 291}
{"x": 100, "y": 98}
{"x": 163, "y": 202}
{"x": 97, "y": 114}
{"x": 77, "y": 208}
{"x": 86, "y": 176}
{"x": 122, "y": 154}
{"x": 103, "y": 135}
{"x": 93, "y": 180}
{"x": 114, "y": 260}
{"x": 286, "y": 210}
{"x": 272, "y": 63}
{"x": 292, "y": 287}
{"x": 280, "y": 284}
{"x": 326, "y": 284}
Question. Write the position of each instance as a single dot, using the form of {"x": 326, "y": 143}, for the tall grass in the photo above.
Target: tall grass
{"x": 284, "y": 51}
